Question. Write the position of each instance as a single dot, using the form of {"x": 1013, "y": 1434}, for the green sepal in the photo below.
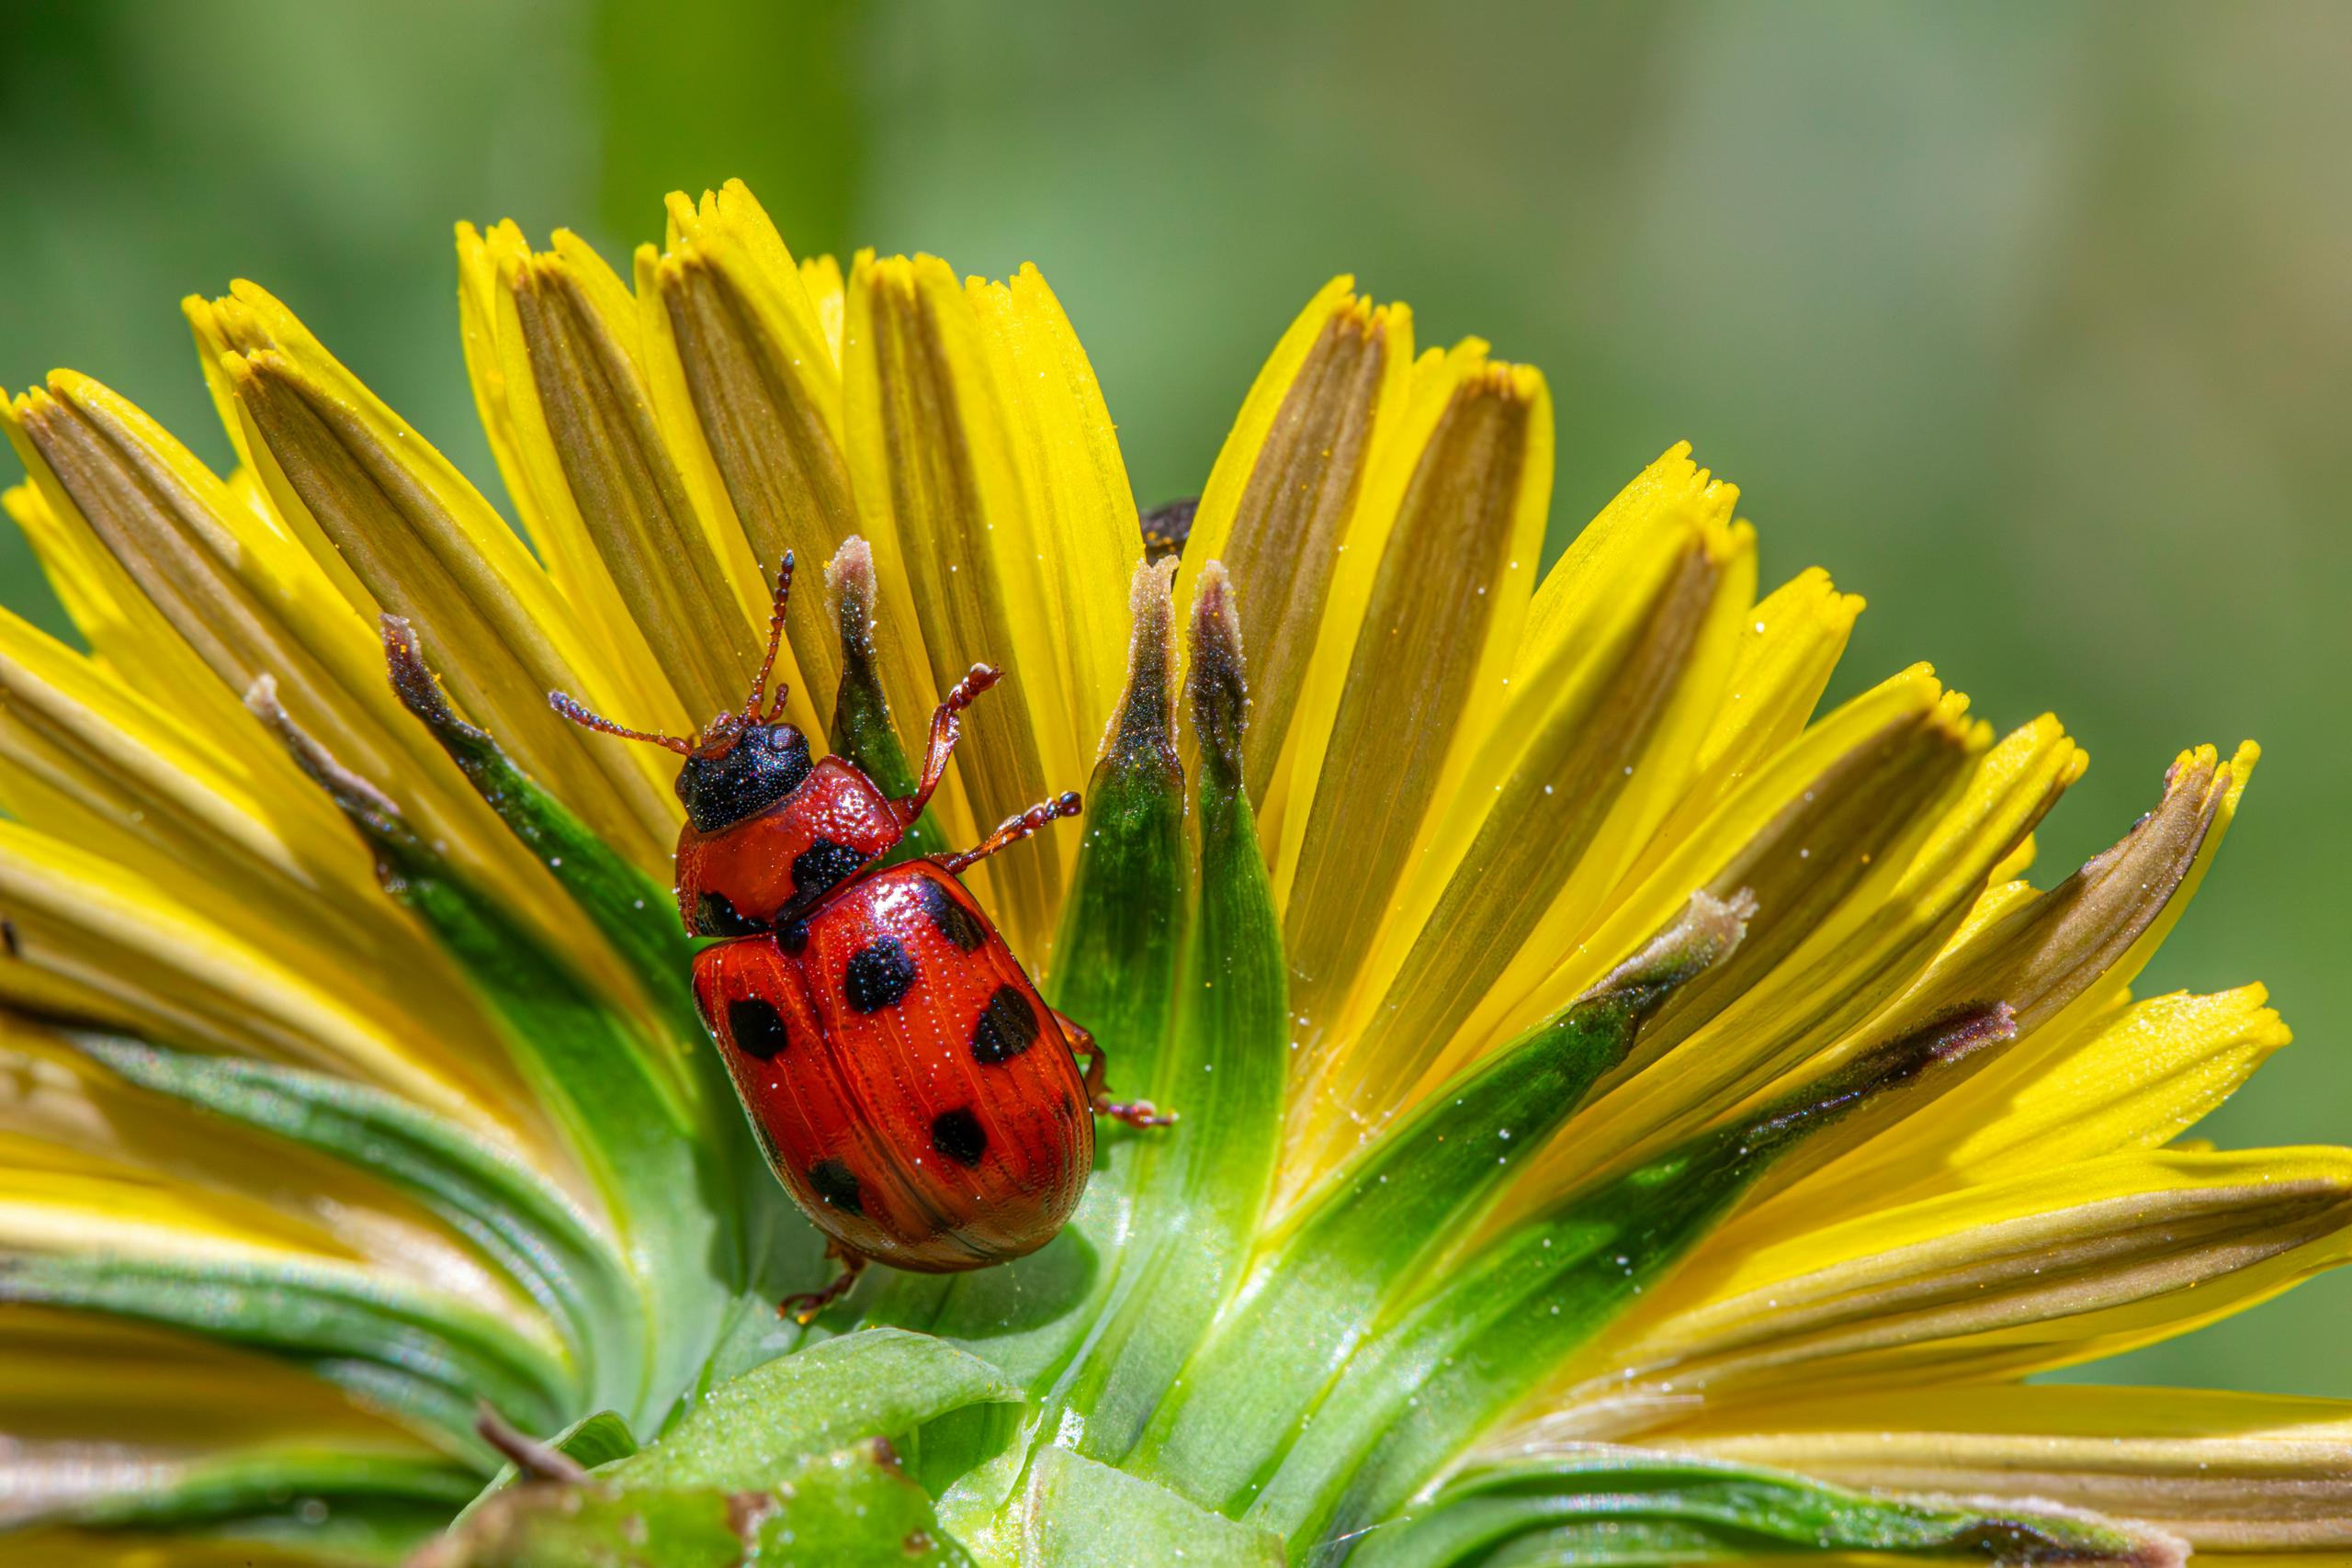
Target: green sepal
{"x": 639, "y": 918}
{"x": 528, "y": 1230}
{"x": 620, "y": 1100}
{"x": 1373, "y": 1230}
{"x": 1484, "y": 1336}
{"x": 1080, "y": 1513}
{"x": 424, "y": 1357}
{"x": 1602, "y": 1505}
{"x": 861, "y": 729}
{"x": 876, "y": 1383}
{"x": 629, "y": 908}
{"x": 849, "y": 1508}
{"x": 1202, "y": 1184}
{"x": 1113, "y": 971}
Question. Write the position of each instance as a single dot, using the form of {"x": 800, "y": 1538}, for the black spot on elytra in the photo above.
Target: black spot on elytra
{"x": 1007, "y": 1026}
{"x": 756, "y": 1028}
{"x": 836, "y": 1188}
{"x": 957, "y": 923}
{"x": 959, "y": 1135}
{"x": 714, "y": 915}
{"x": 817, "y": 868}
{"x": 792, "y": 936}
{"x": 878, "y": 974}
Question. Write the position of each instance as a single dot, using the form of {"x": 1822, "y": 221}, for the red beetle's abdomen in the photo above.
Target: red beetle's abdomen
{"x": 747, "y": 876}
{"x": 912, "y": 1090}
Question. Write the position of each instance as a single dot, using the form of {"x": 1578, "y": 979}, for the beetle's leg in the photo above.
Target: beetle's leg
{"x": 803, "y": 1308}
{"x": 1134, "y": 1112}
{"x": 944, "y": 728}
{"x": 1012, "y": 831}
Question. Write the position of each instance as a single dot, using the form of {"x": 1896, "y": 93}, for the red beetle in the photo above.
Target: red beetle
{"x": 911, "y": 1088}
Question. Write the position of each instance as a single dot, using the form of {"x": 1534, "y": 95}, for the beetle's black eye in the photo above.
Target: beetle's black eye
{"x": 758, "y": 770}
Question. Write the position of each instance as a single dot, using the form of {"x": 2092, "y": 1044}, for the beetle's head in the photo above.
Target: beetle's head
{"x": 741, "y": 761}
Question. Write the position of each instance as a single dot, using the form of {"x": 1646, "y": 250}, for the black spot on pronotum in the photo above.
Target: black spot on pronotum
{"x": 714, "y": 915}
{"x": 957, "y": 923}
{"x": 959, "y": 1135}
{"x": 817, "y": 868}
{"x": 756, "y": 1028}
{"x": 835, "y": 1186}
{"x": 878, "y": 975}
{"x": 1007, "y": 1026}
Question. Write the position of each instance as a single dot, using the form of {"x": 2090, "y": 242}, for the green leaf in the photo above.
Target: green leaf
{"x": 1113, "y": 971}
{"x": 843, "y": 1509}
{"x": 620, "y": 1100}
{"x": 510, "y": 1213}
{"x": 876, "y": 1383}
{"x": 1601, "y": 1505}
{"x": 1203, "y": 1184}
{"x": 1375, "y": 1230}
{"x": 1483, "y": 1337}
{"x": 421, "y": 1355}
{"x": 1080, "y": 1513}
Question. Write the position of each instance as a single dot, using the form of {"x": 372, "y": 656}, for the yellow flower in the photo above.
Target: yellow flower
{"x": 1625, "y": 1115}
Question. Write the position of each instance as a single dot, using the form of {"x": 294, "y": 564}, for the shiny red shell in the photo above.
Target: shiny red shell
{"x": 911, "y": 1088}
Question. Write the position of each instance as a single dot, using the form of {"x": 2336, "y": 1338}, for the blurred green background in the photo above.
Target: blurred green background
{"x": 2032, "y": 321}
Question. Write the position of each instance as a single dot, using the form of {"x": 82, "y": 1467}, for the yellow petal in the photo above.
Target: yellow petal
{"x": 2228, "y": 1472}
{"x": 1438, "y": 634}
{"x": 102, "y": 926}
{"x": 2135, "y": 1079}
{"x": 821, "y": 277}
{"x": 746, "y": 383}
{"x": 506, "y": 393}
{"x": 1787, "y": 651}
{"x": 1083, "y": 533}
{"x": 1813, "y": 1003}
{"x": 1570, "y": 776}
{"x": 594, "y": 447}
{"x": 422, "y": 544}
{"x": 2061, "y": 1265}
{"x": 221, "y": 592}
{"x": 930, "y": 455}
{"x": 230, "y": 832}
{"x": 1281, "y": 507}
{"x": 68, "y": 1375}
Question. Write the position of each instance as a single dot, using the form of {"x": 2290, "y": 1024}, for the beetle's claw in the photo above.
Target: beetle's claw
{"x": 1134, "y": 1112}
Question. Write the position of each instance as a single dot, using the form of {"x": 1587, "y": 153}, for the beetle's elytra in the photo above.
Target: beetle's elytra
{"x": 911, "y": 1088}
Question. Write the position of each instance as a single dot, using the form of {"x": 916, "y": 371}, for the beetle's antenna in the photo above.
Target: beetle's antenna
{"x": 564, "y": 704}
{"x": 775, "y": 641}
